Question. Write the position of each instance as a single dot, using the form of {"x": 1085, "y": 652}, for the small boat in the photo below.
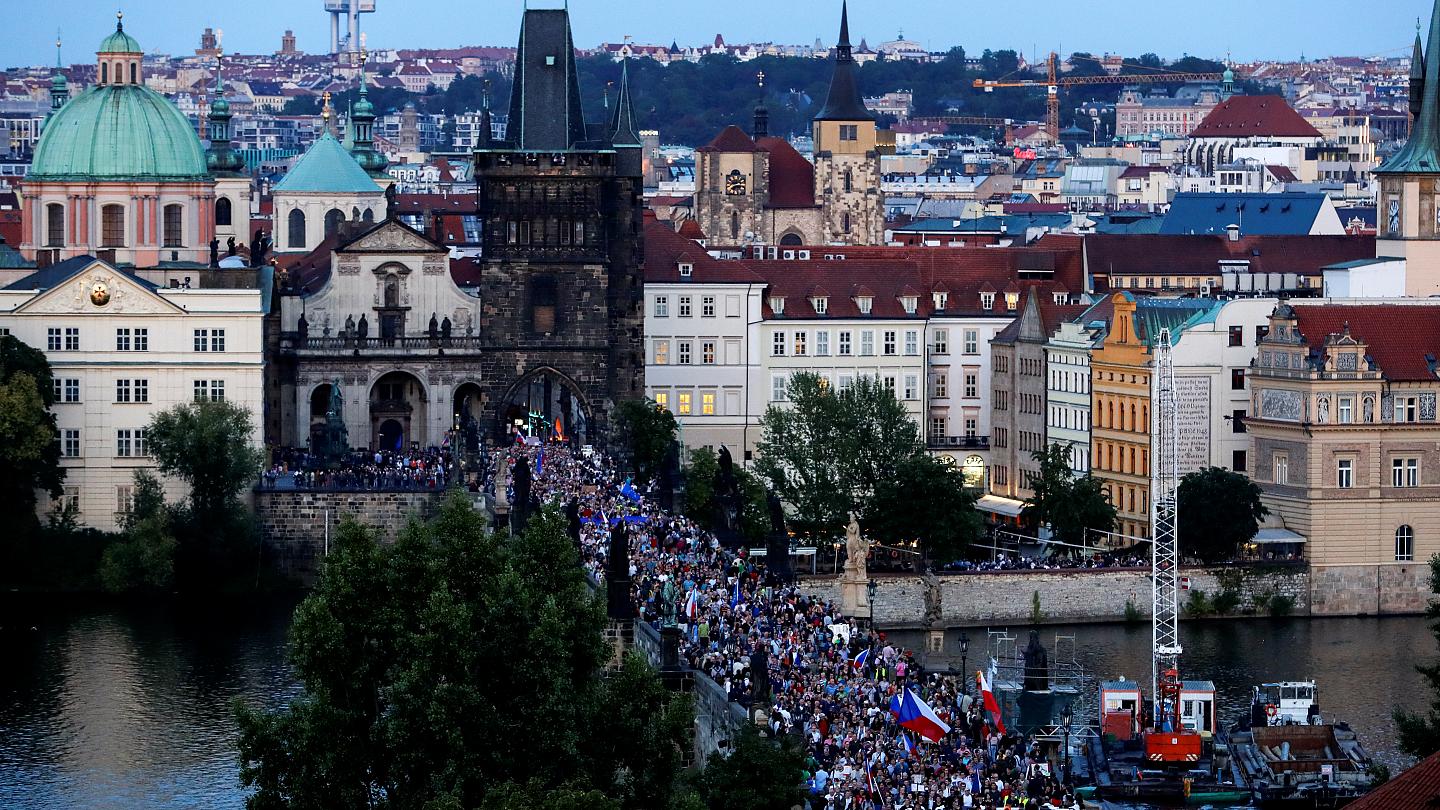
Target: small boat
{"x": 1290, "y": 758}
{"x": 1166, "y": 791}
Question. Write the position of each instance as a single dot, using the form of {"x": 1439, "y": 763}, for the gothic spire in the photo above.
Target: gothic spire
{"x": 1421, "y": 154}
{"x": 844, "y": 102}
{"x": 545, "y": 110}
{"x": 762, "y": 115}
{"x": 1417, "y": 76}
{"x": 622, "y": 125}
{"x": 59, "y": 86}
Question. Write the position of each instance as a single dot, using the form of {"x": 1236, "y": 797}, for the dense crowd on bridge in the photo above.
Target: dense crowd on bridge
{"x": 416, "y": 469}
{"x": 1005, "y": 561}
{"x": 829, "y": 682}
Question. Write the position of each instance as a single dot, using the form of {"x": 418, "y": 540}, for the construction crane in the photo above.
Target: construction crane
{"x": 1167, "y": 742}
{"x": 1053, "y": 82}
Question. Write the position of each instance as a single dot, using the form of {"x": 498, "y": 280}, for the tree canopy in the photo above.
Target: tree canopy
{"x": 207, "y": 445}
{"x": 926, "y": 500}
{"x": 29, "y": 452}
{"x": 1068, "y": 505}
{"x": 1216, "y": 511}
{"x": 454, "y": 669}
{"x": 647, "y": 432}
{"x": 1419, "y": 732}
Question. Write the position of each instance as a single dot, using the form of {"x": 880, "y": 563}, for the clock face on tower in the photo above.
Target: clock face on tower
{"x": 1392, "y": 216}
{"x": 735, "y": 184}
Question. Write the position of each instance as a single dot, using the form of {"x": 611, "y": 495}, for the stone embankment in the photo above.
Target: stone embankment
{"x": 294, "y": 524}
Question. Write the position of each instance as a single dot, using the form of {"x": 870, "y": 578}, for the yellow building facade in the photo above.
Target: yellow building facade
{"x": 1120, "y": 419}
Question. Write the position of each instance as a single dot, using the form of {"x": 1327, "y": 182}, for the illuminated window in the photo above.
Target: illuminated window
{"x": 683, "y": 399}
{"x": 707, "y": 404}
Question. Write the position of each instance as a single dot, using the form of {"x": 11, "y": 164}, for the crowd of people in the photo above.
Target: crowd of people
{"x": 416, "y": 469}
{"x": 827, "y": 682}
{"x": 1005, "y": 561}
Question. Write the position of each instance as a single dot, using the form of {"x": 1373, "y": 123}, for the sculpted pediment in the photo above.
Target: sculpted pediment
{"x": 392, "y": 237}
{"x": 99, "y": 290}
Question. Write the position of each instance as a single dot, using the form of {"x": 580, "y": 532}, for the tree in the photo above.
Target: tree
{"x": 418, "y": 657}
{"x": 1067, "y": 505}
{"x": 1419, "y": 733}
{"x": 926, "y": 500}
{"x": 647, "y": 431}
{"x": 143, "y": 558}
{"x": 1217, "y": 510}
{"x": 701, "y": 481}
{"x": 29, "y": 452}
{"x": 301, "y": 105}
{"x": 757, "y": 775}
{"x": 207, "y": 444}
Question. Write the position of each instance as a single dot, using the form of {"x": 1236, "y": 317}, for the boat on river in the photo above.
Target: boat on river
{"x": 1290, "y": 758}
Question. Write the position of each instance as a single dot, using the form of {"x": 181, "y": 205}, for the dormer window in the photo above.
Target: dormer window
{"x": 1061, "y": 298}
{"x": 987, "y": 300}
{"x": 777, "y": 304}
{"x": 865, "y": 303}
{"x": 1012, "y": 301}
{"x": 686, "y": 269}
{"x": 821, "y": 304}
{"x": 940, "y": 299}
{"x": 910, "y": 302}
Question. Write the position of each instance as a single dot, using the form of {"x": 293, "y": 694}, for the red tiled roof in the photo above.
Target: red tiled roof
{"x": 1415, "y": 789}
{"x": 1398, "y": 336}
{"x": 1282, "y": 174}
{"x": 690, "y": 229}
{"x": 1249, "y": 116}
{"x": 665, "y": 250}
{"x": 731, "y": 139}
{"x": 792, "y": 177}
{"x": 1199, "y": 255}
{"x": 1142, "y": 171}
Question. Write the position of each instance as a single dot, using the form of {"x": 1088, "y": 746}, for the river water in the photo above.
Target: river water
{"x": 113, "y": 707}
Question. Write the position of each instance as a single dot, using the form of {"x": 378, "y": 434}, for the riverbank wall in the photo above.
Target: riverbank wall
{"x": 1069, "y": 597}
{"x": 294, "y": 524}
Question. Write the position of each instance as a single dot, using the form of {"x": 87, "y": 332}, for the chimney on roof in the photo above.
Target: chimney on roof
{"x": 1234, "y": 231}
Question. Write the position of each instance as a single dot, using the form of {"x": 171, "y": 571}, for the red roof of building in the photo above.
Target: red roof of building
{"x": 1415, "y": 789}
{"x": 425, "y": 203}
{"x": 731, "y": 139}
{"x": 792, "y": 177}
{"x": 1142, "y": 171}
{"x": 666, "y": 250}
{"x": 690, "y": 229}
{"x": 1282, "y": 174}
{"x": 1251, "y": 116}
{"x": 1397, "y": 336}
{"x": 1200, "y": 254}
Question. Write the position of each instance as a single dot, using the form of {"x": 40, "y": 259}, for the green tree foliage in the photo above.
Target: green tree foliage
{"x": 143, "y": 558}
{"x": 207, "y": 445}
{"x": 1419, "y": 732}
{"x": 757, "y": 775}
{"x": 925, "y": 500}
{"x": 1217, "y": 511}
{"x": 29, "y": 454}
{"x": 647, "y": 432}
{"x": 453, "y": 669}
{"x": 701, "y": 484}
{"x": 1068, "y": 505}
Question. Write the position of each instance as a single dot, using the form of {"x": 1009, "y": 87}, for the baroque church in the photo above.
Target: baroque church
{"x": 756, "y": 189}
{"x": 544, "y": 333}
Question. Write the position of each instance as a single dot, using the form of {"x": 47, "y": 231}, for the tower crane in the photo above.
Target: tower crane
{"x": 1167, "y": 741}
{"x": 1053, "y": 82}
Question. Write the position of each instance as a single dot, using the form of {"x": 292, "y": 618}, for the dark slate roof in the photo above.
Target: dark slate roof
{"x": 622, "y": 124}
{"x": 1415, "y": 789}
{"x": 545, "y": 112}
{"x": 1199, "y": 255}
{"x": 1291, "y": 214}
{"x": 53, "y": 276}
{"x": 1254, "y": 116}
{"x": 844, "y": 102}
{"x": 1399, "y": 336}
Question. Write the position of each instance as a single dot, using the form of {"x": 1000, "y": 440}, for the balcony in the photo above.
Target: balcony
{"x": 934, "y": 442}
{"x": 383, "y": 346}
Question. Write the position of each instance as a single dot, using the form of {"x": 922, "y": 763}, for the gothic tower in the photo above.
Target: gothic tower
{"x": 847, "y": 163}
{"x": 1409, "y": 204}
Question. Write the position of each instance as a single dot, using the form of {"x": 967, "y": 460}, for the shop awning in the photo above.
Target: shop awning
{"x": 1277, "y": 536}
{"x": 995, "y": 504}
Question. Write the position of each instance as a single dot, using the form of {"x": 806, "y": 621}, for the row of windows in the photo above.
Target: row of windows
{"x": 1070, "y": 382}
{"x": 1119, "y": 458}
{"x": 940, "y": 341}
{"x": 130, "y": 339}
{"x": 939, "y": 426}
{"x": 940, "y": 385}
{"x": 685, "y": 354}
{"x": 1404, "y": 471}
{"x": 685, "y": 307}
{"x": 1069, "y": 418}
{"x": 798, "y": 344}
{"x": 685, "y": 402}
{"x": 135, "y": 390}
{"x": 1125, "y": 417}
{"x": 112, "y": 225}
{"x": 129, "y": 443}
{"x": 905, "y": 388}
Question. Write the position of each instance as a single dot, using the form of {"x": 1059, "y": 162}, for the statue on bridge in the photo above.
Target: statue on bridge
{"x": 617, "y": 575}
{"x": 1037, "y": 665}
{"x": 669, "y": 603}
{"x": 857, "y": 549}
{"x": 520, "y": 507}
{"x": 777, "y": 546}
{"x": 332, "y": 443}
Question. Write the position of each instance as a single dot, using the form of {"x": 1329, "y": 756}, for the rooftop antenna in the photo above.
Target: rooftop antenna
{"x": 219, "y": 60}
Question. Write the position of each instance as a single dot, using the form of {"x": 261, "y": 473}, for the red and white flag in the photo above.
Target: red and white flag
{"x": 991, "y": 704}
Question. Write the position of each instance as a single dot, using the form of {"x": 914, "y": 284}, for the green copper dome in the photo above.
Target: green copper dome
{"x": 119, "y": 42}
{"x": 119, "y": 132}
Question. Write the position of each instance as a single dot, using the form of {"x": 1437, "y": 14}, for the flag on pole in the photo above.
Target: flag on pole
{"x": 692, "y": 605}
{"x": 915, "y": 714}
{"x": 628, "y": 490}
{"x": 861, "y": 658}
{"x": 735, "y": 600}
{"x": 991, "y": 704}
{"x": 540, "y": 463}
{"x": 909, "y": 745}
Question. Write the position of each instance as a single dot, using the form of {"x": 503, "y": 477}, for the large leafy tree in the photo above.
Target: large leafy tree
{"x": 207, "y": 444}
{"x": 1419, "y": 732}
{"x": 925, "y": 500}
{"x": 456, "y": 670}
{"x": 143, "y": 558}
{"x": 29, "y": 454}
{"x": 757, "y": 775}
{"x": 647, "y": 432}
{"x": 1068, "y": 505}
{"x": 1217, "y": 511}
{"x": 801, "y": 451}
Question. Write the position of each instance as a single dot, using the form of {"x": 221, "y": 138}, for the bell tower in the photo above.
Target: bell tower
{"x": 847, "y": 162}
{"x": 1409, "y": 203}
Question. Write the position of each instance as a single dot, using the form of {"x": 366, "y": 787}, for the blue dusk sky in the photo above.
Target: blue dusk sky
{"x": 1247, "y": 28}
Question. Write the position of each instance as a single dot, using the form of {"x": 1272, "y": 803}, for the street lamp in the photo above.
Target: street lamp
{"x": 870, "y": 599}
{"x": 965, "y": 661}
{"x": 1065, "y": 717}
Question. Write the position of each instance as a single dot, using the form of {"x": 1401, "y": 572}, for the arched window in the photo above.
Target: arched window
{"x": 222, "y": 211}
{"x": 791, "y": 239}
{"x": 734, "y": 225}
{"x": 104, "y": 72}
{"x": 112, "y": 226}
{"x": 174, "y": 225}
{"x": 55, "y": 225}
{"x": 333, "y": 218}
{"x": 1404, "y": 544}
{"x": 134, "y": 73}
{"x": 296, "y": 236}
{"x": 849, "y": 181}
{"x": 368, "y": 216}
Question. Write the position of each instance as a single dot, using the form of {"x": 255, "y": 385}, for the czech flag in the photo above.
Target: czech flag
{"x": 861, "y": 659}
{"x": 991, "y": 704}
{"x": 692, "y": 605}
{"x": 908, "y": 743}
{"x": 628, "y": 490}
{"x": 916, "y": 715}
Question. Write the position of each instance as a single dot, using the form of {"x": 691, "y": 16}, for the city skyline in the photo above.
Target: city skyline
{"x": 1241, "y": 29}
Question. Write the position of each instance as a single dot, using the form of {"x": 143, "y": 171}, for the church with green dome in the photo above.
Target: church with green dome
{"x": 119, "y": 172}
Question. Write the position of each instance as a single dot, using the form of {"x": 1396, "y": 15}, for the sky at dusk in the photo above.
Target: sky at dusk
{"x": 1249, "y": 28}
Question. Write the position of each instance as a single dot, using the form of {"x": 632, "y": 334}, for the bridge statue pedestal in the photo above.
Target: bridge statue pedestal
{"x": 855, "y": 578}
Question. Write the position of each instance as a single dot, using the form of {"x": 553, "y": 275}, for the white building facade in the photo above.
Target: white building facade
{"x": 1067, "y": 392}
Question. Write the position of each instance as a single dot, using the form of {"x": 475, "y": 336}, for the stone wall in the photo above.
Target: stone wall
{"x": 293, "y": 522}
{"x": 1360, "y": 590}
{"x": 1004, "y": 597}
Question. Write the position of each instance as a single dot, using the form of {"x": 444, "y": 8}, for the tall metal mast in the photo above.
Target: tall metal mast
{"x": 1164, "y": 481}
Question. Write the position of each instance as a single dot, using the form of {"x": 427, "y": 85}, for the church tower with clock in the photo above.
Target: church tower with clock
{"x": 847, "y": 159}
{"x": 1409, "y": 202}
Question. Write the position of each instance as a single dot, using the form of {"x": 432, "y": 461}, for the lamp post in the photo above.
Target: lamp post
{"x": 1065, "y": 717}
{"x": 965, "y": 661}
{"x": 870, "y": 599}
